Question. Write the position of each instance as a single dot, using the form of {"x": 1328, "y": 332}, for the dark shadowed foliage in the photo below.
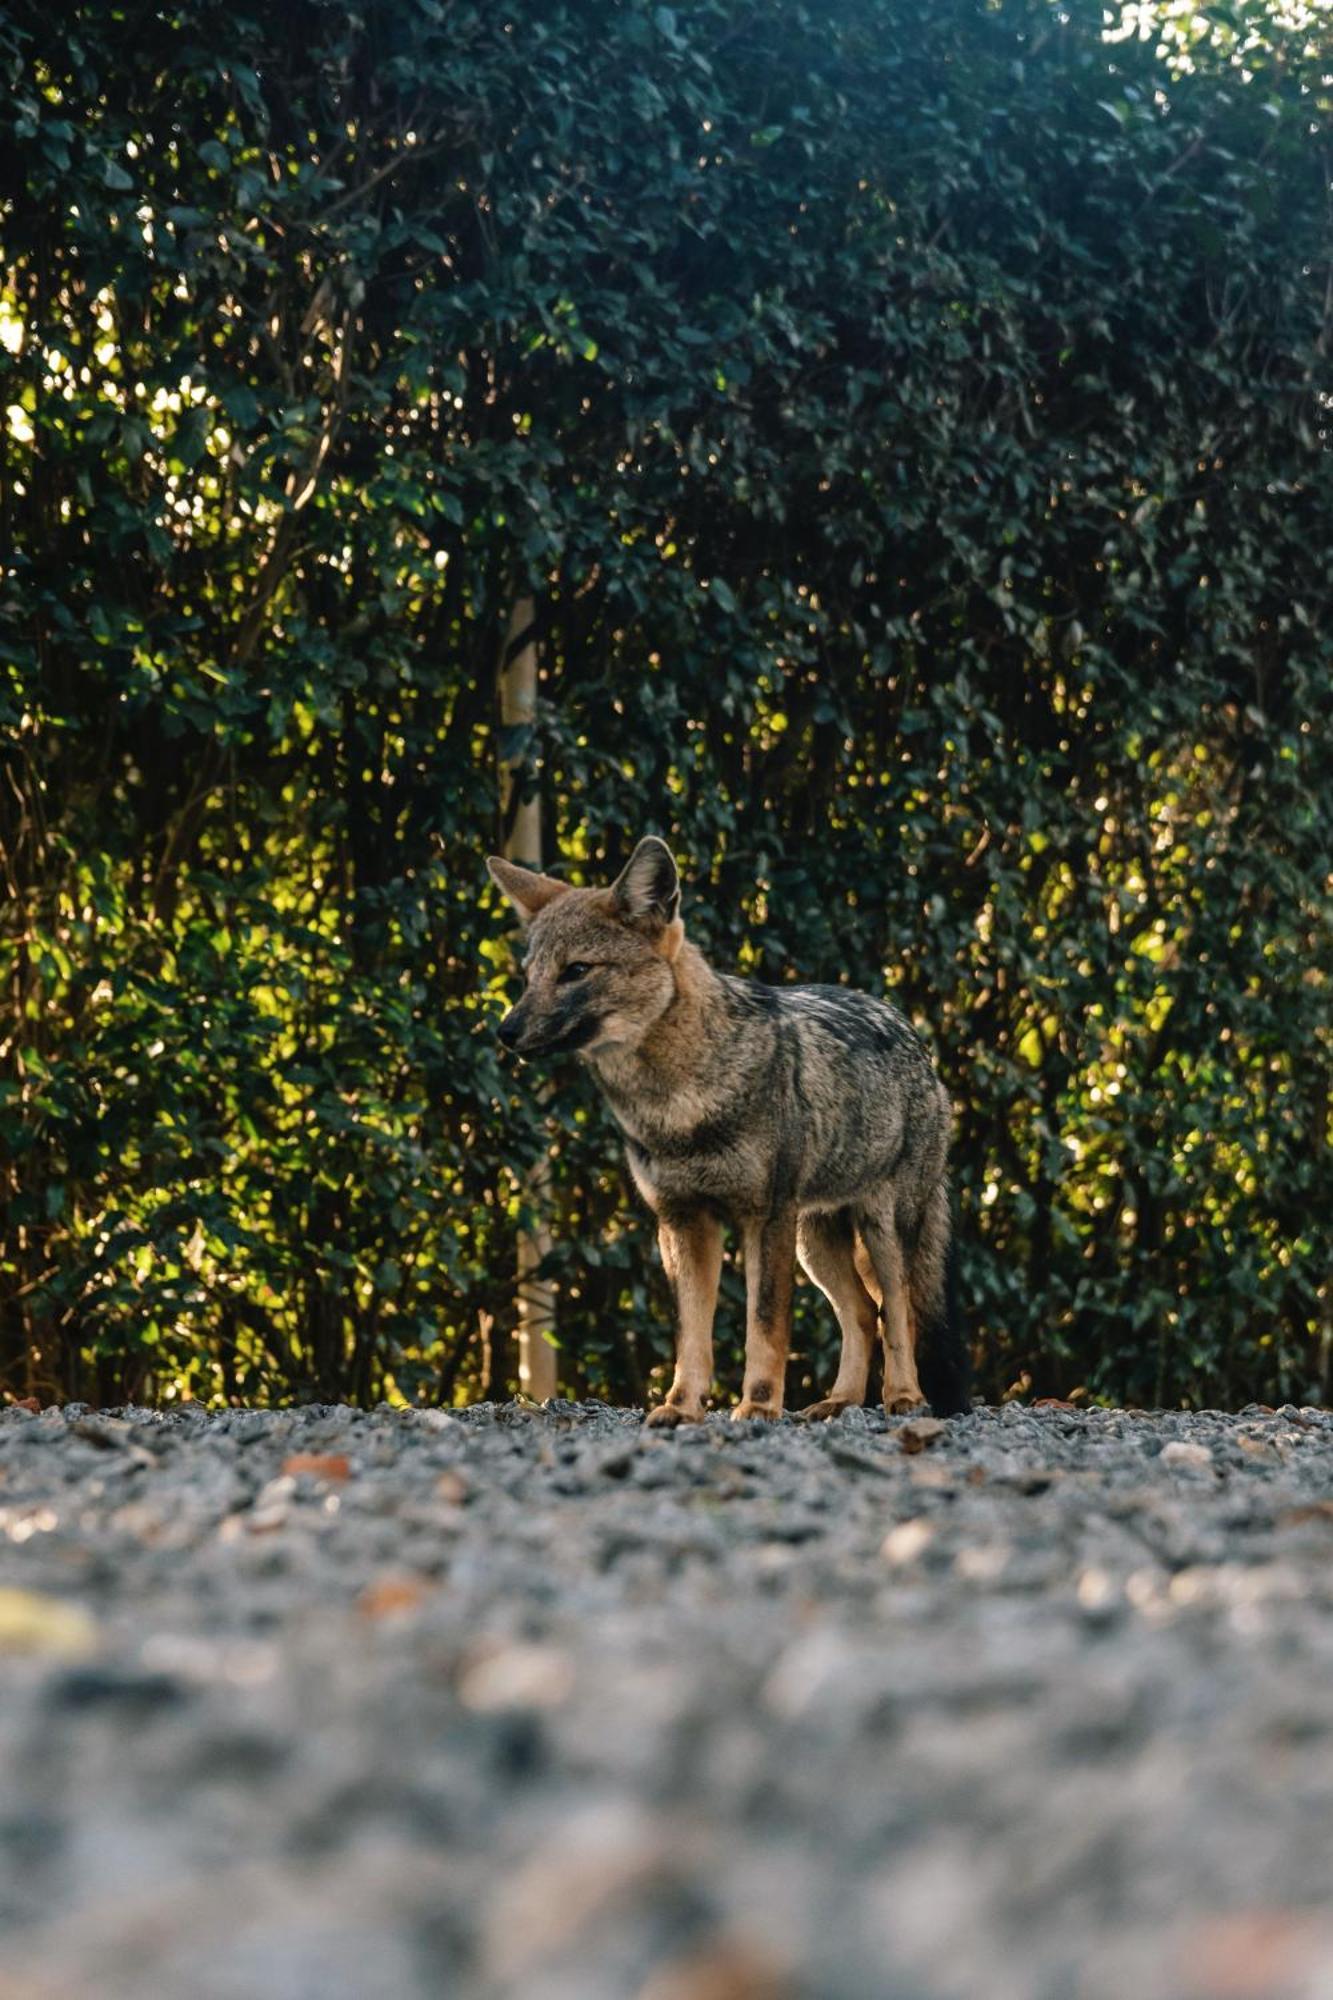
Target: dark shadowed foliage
{"x": 911, "y": 417}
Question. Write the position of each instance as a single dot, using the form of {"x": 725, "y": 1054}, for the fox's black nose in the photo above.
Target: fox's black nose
{"x": 509, "y": 1031}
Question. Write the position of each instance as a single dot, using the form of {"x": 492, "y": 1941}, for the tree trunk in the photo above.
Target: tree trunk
{"x": 521, "y": 823}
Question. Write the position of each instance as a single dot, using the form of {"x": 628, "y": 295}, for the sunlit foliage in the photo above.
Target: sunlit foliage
{"x": 912, "y": 418}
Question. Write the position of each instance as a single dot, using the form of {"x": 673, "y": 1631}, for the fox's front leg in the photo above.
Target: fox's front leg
{"x": 692, "y": 1254}
{"x": 770, "y": 1273}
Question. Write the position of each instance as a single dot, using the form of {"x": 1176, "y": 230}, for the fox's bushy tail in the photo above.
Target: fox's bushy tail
{"x": 942, "y": 1359}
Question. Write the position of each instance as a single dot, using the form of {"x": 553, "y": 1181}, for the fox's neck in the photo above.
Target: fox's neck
{"x": 677, "y": 1046}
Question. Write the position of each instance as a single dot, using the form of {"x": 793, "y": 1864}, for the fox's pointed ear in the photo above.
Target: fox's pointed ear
{"x": 526, "y": 890}
{"x": 648, "y": 886}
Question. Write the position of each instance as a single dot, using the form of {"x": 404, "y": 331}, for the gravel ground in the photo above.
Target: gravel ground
{"x": 534, "y": 1705}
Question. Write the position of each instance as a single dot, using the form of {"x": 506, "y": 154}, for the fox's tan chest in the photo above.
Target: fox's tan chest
{"x": 736, "y": 1182}
{"x": 709, "y": 1142}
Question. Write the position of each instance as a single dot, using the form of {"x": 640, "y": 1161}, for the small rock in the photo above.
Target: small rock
{"x": 391, "y": 1597}
{"x": 921, "y": 1432}
{"x": 108, "y": 1433}
{"x": 1184, "y": 1457}
{"x": 519, "y": 1676}
{"x": 437, "y": 1420}
{"x": 333, "y": 1465}
{"x": 906, "y": 1542}
{"x": 723, "y": 1969}
{"x": 1099, "y": 1596}
{"x": 32, "y": 1622}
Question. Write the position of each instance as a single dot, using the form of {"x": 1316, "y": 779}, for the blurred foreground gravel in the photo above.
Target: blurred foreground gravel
{"x": 532, "y": 1705}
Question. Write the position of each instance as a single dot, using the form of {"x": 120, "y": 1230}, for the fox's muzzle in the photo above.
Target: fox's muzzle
{"x": 559, "y": 1034}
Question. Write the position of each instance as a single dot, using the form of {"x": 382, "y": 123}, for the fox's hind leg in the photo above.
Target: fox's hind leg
{"x": 692, "y": 1254}
{"x": 770, "y": 1273}
{"x": 879, "y": 1232}
{"x": 826, "y": 1248}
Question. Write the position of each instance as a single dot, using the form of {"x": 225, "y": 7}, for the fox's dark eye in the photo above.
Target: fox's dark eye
{"x": 576, "y": 969}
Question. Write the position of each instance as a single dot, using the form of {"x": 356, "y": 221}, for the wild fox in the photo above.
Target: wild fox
{"x": 808, "y": 1116}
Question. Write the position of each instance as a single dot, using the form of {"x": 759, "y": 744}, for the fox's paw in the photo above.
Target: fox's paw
{"x": 905, "y": 1406}
{"x": 747, "y": 1407}
{"x": 666, "y": 1416}
{"x": 832, "y": 1406}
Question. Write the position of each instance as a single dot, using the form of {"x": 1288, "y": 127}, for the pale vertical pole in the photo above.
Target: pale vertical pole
{"x": 521, "y": 819}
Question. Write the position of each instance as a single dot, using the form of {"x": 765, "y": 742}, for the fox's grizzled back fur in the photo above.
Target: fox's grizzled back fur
{"x": 743, "y": 1100}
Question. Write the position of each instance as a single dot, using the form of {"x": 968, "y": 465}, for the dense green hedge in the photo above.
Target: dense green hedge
{"x": 912, "y": 417}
